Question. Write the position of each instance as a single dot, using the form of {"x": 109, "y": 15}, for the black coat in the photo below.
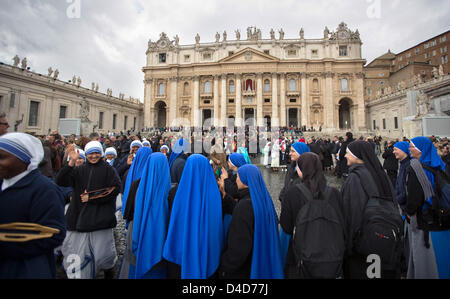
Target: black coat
{"x": 96, "y": 214}
{"x": 236, "y": 260}
{"x": 33, "y": 199}
{"x": 291, "y": 174}
{"x": 290, "y": 207}
{"x": 390, "y": 162}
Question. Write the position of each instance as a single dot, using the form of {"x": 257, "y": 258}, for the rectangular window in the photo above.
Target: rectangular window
{"x": 230, "y": 53}
{"x": 267, "y": 52}
{"x": 187, "y": 58}
{"x": 315, "y": 53}
{"x": 396, "y": 122}
{"x": 231, "y": 101}
{"x": 12, "y": 100}
{"x": 400, "y": 58}
{"x": 342, "y": 50}
{"x": 444, "y": 59}
{"x": 266, "y": 100}
{"x": 134, "y": 124}
{"x": 292, "y": 52}
{"x": 384, "y": 124}
{"x": 408, "y": 55}
{"x": 207, "y": 56}
{"x": 434, "y": 53}
{"x": 114, "y": 121}
{"x": 125, "y": 120}
{"x": 100, "y": 120}
{"x": 33, "y": 116}
{"x": 443, "y": 39}
{"x": 162, "y": 58}
{"x": 374, "y": 124}
{"x": 62, "y": 111}
{"x": 293, "y": 100}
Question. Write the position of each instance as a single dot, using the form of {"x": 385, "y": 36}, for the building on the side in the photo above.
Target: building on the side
{"x": 394, "y": 81}
{"x": 420, "y": 110}
{"x": 34, "y": 103}
{"x": 276, "y": 81}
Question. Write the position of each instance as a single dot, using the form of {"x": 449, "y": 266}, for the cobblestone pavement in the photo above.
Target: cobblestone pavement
{"x": 274, "y": 182}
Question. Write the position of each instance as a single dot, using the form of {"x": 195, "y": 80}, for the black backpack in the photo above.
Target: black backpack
{"x": 381, "y": 231}
{"x": 437, "y": 216}
{"x": 319, "y": 237}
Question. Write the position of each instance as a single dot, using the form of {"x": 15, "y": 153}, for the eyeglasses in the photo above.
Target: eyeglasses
{"x": 4, "y": 124}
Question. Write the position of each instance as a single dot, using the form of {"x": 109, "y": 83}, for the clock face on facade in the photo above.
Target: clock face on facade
{"x": 342, "y": 34}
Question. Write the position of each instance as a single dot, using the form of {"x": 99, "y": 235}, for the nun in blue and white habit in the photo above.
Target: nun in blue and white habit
{"x": 148, "y": 222}
{"x": 27, "y": 196}
{"x": 252, "y": 249}
{"x": 230, "y": 188}
{"x": 178, "y": 157}
{"x": 135, "y": 172}
{"x": 195, "y": 236}
{"x": 429, "y": 251}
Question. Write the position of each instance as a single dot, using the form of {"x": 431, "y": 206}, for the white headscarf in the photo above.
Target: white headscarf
{"x": 93, "y": 147}
{"x": 25, "y": 147}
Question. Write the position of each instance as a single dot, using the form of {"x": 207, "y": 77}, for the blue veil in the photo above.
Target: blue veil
{"x": 135, "y": 172}
{"x": 195, "y": 235}
{"x": 266, "y": 258}
{"x": 237, "y": 159}
{"x": 403, "y": 146}
{"x": 440, "y": 239}
{"x": 180, "y": 147}
{"x": 151, "y": 214}
{"x": 301, "y": 148}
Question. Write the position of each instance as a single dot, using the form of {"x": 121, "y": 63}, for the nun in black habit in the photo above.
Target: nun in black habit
{"x": 366, "y": 176}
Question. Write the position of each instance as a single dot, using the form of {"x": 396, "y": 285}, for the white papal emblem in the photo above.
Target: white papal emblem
{"x": 248, "y": 55}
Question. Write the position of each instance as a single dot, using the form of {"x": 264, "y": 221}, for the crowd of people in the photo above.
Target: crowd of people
{"x": 195, "y": 212}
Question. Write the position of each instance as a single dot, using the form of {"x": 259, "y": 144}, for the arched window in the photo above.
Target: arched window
{"x": 231, "y": 86}
{"x": 266, "y": 85}
{"x": 344, "y": 84}
{"x": 186, "y": 89}
{"x": 292, "y": 85}
{"x": 249, "y": 85}
{"x": 207, "y": 87}
{"x": 161, "y": 89}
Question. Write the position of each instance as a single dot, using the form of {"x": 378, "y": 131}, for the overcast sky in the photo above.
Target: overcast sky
{"x": 107, "y": 43}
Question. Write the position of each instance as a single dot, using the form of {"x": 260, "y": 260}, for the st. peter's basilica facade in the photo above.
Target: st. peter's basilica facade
{"x": 250, "y": 80}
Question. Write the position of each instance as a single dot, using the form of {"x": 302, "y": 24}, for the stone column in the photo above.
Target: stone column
{"x": 223, "y": 102}
{"x": 328, "y": 101}
{"x": 360, "y": 123}
{"x": 173, "y": 101}
{"x": 196, "y": 112}
{"x": 238, "y": 87}
{"x": 304, "y": 95}
{"x": 275, "y": 116}
{"x": 148, "y": 115}
{"x": 216, "y": 101}
{"x": 283, "y": 99}
{"x": 259, "y": 101}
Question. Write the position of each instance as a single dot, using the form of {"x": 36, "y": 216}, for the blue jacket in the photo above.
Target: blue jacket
{"x": 33, "y": 199}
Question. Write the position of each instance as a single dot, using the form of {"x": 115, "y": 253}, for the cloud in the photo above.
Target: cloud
{"x": 107, "y": 44}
